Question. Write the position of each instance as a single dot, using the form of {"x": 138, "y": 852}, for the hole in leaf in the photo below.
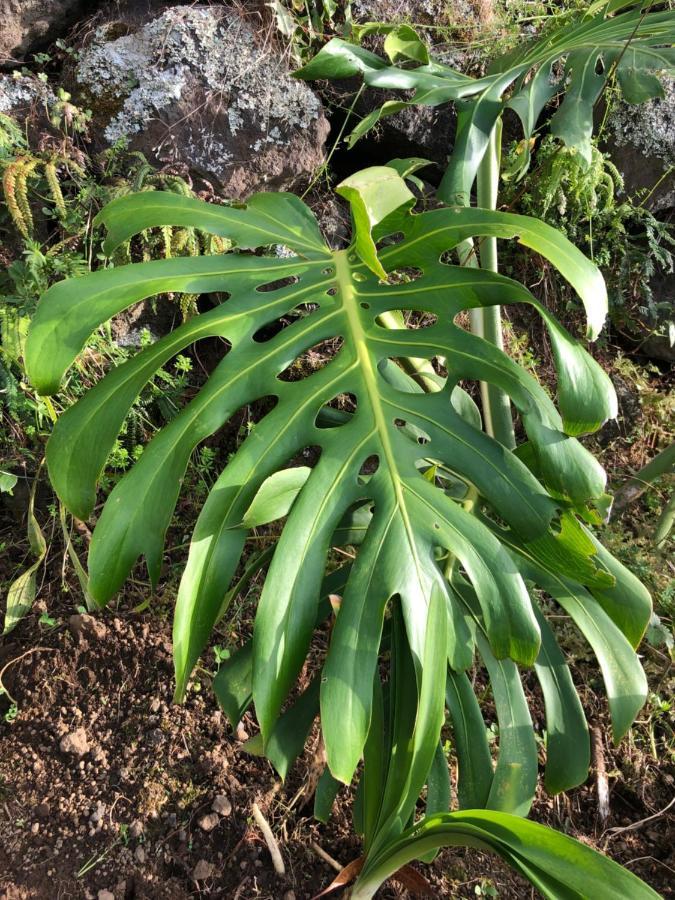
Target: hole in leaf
{"x": 368, "y": 468}
{"x": 312, "y": 360}
{"x": 365, "y": 306}
{"x": 404, "y": 276}
{"x": 418, "y": 318}
{"x": 329, "y": 270}
{"x": 337, "y": 411}
{"x": 359, "y": 276}
{"x": 277, "y": 284}
{"x": 270, "y": 329}
{"x": 389, "y": 240}
{"x": 454, "y": 257}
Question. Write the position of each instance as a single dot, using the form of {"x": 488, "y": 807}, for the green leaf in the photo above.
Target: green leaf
{"x": 438, "y": 790}
{"x": 7, "y": 482}
{"x": 275, "y": 497}
{"x": 287, "y": 740}
{"x": 639, "y": 42}
{"x": 573, "y": 121}
{"x": 438, "y": 783}
{"x": 471, "y": 744}
{"x": 624, "y": 678}
{"x": 515, "y": 778}
{"x": 638, "y": 86}
{"x": 555, "y": 864}
{"x": 373, "y": 194}
{"x": 403, "y": 43}
{"x": 233, "y": 683}
{"x": 326, "y": 792}
{"x": 21, "y": 592}
{"x": 568, "y": 748}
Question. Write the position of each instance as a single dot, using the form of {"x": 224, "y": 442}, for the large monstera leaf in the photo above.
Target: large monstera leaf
{"x": 447, "y": 521}
{"x": 634, "y": 44}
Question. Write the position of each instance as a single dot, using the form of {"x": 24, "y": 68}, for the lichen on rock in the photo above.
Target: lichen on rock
{"x": 649, "y": 126}
{"x": 642, "y": 144}
{"x": 20, "y": 92}
{"x": 194, "y": 85}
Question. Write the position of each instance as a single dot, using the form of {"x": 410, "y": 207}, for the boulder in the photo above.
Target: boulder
{"x": 641, "y": 143}
{"x": 195, "y": 86}
{"x": 439, "y": 13}
{"x": 28, "y": 25}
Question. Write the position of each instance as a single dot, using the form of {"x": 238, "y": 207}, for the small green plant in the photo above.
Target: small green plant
{"x": 304, "y": 23}
{"x": 622, "y": 237}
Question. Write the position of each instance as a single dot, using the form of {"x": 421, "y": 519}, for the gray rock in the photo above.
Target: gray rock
{"x": 194, "y": 86}
{"x": 422, "y": 12}
{"x": 642, "y": 146}
{"x": 18, "y": 93}
{"x": 30, "y": 24}
{"x": 75, "y": 743}
{"x": 221, "y": 805}
{"x": 202, "y": 870}
{"x": 105, "y": 895}
{"x": 96, "y": 818}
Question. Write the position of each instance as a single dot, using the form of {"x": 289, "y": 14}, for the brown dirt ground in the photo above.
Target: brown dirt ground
{"x": 125, "y": 816}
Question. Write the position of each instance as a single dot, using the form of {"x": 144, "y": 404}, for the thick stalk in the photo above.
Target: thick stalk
{"x": 487, "y": 323}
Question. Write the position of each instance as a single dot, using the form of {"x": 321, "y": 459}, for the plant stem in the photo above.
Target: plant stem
{"x": 487, "y": 323}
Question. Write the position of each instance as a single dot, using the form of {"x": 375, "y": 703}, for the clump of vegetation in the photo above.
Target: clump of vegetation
{"x": 586, "y": 202}
{"x": 408, "y": 533}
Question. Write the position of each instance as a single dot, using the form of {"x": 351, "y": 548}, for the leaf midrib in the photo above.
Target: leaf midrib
{"x": 369, "y": 375}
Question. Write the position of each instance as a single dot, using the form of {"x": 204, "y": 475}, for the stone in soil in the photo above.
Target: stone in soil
{"x": 75, "y": 743}
{"x": 203, "y": 870}
{"x": 84, "y": 627}
{"x": 208, "y": 821}
{"x": 221, "y": 805}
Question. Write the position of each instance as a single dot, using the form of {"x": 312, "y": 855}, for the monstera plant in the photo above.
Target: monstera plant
{"x": 615, "y": 40}
{"x": 455, "y": 536}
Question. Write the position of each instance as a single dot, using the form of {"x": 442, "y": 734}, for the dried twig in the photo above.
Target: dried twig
{"x": 270, "y": 840}
{"x": 619, "y": 829}
{"x": 333, "y": 863}
{"x": 601, "y": 783}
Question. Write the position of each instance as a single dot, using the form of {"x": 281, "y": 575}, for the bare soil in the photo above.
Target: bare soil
{"x": 125, "y": 803}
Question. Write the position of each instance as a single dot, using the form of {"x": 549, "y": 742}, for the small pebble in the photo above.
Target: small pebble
{"x": 139, "y": 854}
{"x": 208, "y": 821}
{"x": 221, "y": 805}
{"x": 202, "y": 871}
{"x": 75, "y": 743}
